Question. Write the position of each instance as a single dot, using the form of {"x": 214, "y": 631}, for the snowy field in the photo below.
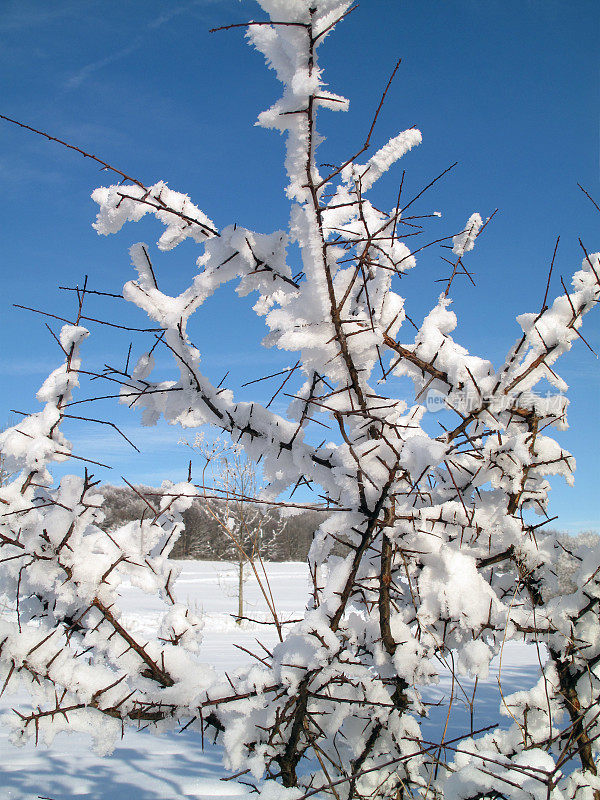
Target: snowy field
{"x": 146, "y": 767}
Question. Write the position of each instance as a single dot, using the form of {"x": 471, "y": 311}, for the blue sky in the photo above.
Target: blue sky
{"x": 508, "y": 89}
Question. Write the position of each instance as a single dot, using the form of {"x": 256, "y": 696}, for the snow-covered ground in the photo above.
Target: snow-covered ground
{"x": 146, "y": 767}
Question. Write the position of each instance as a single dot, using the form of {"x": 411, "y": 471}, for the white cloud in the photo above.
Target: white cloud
{"x": 162, "y": 19}
{"x": 20, "y": 14}
{"x": 100, "y": 441}
{"x": 24, "y": 366}
{"x": 84, "y": 73}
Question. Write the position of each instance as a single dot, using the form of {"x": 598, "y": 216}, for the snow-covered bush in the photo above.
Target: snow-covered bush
{"x": 441, "y": 559}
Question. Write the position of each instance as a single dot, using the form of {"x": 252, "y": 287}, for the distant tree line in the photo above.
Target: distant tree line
{"x": 203, "y": 538}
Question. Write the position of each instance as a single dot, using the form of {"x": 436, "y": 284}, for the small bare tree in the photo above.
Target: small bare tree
{"x": 441, "y": 559}
{"x": 232, "y": 481}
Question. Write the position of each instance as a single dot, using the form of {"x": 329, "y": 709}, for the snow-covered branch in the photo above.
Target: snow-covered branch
{"x": 432, "y": 556}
